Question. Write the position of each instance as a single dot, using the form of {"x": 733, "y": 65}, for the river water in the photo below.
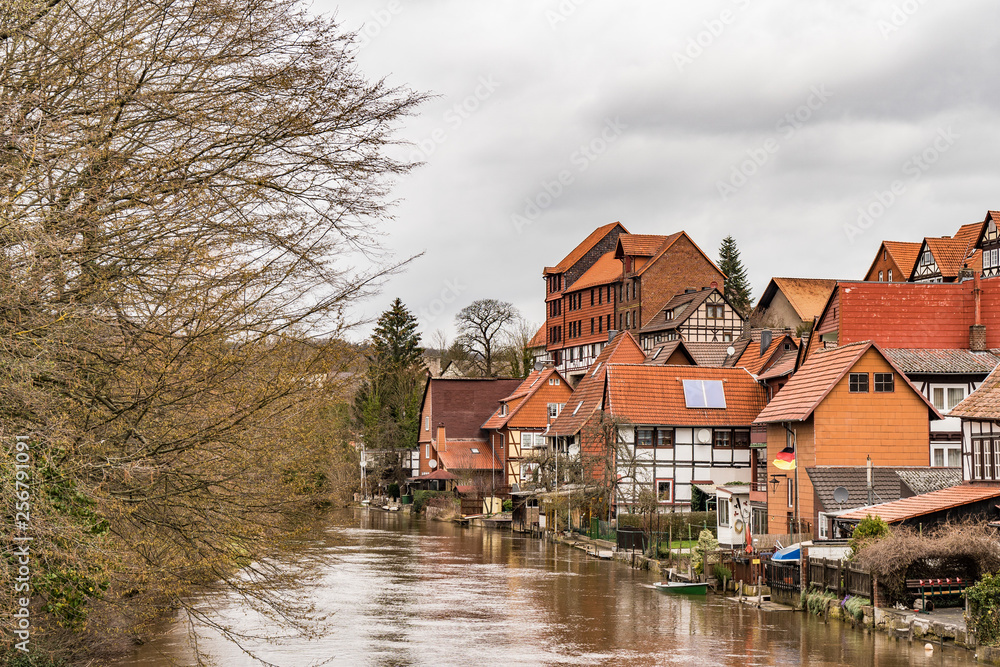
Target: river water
{"x": 397, "y": 591}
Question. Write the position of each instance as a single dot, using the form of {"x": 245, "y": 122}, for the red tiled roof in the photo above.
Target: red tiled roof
{"x": 459, "y": 455}
{"x": 463, "y": 404}
{"x": 949, "y": 254}
{"x": 984, "y": 402}
{"x": 691, "y": 302}
{"x": 644, "y": 245}
{"x": 588, "y": 397}
{"x": 970, "y": 233}
{"x": 925, "y": 503}
{"x": 717, "y": 353}
{"x": 783, "y": 366}
{"x": 538, "y": 340}
{"x": 440, "y": 473}
{"x": 644, "y": 394}
{"x": 605, "y": 270}
{"x": 535, "y": 381}
{"x": 754, "y": 361}
{"x": 806, "y": 295}
{"x": 819, "y": 374}
{"x": 904, "y": 253}
{"x": 578, "y": 252}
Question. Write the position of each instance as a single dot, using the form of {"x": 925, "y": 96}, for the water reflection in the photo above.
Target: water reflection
{"x": 397, "y": 591}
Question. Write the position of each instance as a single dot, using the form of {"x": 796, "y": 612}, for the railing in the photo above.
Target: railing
{"x": 782, "y": 576}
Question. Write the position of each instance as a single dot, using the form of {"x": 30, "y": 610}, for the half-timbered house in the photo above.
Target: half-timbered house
{"x": 940, "y": 260}
{"x": 518, "y": 428}
{"x": 680, "y": 426}
{"x": 701, "y": 316}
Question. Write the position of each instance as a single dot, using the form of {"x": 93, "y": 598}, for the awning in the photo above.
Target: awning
{"x": 708, "y": 489}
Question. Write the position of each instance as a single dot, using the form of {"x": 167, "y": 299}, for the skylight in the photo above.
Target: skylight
{"x": 578, "y": 406}
{"x": 474, "y": 450}
{"x": 704, "y": 394}
{"x": 596, "y": 368}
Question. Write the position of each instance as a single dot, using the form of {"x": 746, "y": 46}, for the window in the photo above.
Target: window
{"x": 427, "y": 450}
{"x": 627, "y": 319}
{"x": 503, "y": 410}
{"x": 889, "y": 276}
{"x": 554, "y": 382}
{"x": 858, "y": 383}
{"x": 741, "y": 438}
{"x": 591, "y": 296}
{"x": 791, "y": 492}
{"x": 715, "y": 311}
{"x": 884, "y": 383}
{"x": 823, "y": 526}
{"x": 600, "y": 325}
{"x": 474, "y": 450}
{"x": 427, "y": 423}
{"x": 938, "y": 458}
{"x": 664, "y": 437}
{"x": 955, "y": 457}
{"x": 644, "y": 437}
{"x": 722, "y": 505}
{"x": 727, "y": 336}
{"x": 926, "y": 259}
{"x": 946, "y": 398}
{"x": 553, "y": 409}
{"x": 723, "y": 439}
{"x": 883, "y": 254}
{"x": 880, "y": 276}
{"x": 668, "y": 315}
{"x": 591, "y": 325}
{"x": 664, "y": 490}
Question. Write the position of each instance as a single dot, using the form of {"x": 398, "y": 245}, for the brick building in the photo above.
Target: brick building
{"x": 654, "y": 270}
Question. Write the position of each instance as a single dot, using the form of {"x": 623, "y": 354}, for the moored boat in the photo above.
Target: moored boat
{"x": 682, "y": 587}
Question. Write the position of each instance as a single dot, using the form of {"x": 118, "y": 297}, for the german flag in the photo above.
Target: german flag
{"x": 785, "y": 460}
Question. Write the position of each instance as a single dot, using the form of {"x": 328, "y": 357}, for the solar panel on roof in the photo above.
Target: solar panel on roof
{"x": 704, "y": 394}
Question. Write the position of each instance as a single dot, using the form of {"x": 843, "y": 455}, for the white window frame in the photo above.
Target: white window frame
{"x": 822, "y": 526}
{"x": 946, "y": 403}
{"x": 722, "y": 507}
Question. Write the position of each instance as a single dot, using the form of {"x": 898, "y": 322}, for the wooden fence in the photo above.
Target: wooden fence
{"x": 839, "y": 577}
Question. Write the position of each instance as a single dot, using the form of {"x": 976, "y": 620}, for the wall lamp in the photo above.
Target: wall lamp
{"x": 775, "y": 481}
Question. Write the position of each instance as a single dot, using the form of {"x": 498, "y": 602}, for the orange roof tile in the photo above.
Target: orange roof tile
{"x": 949, "y": 254}
{"x": 644, "y": 245}
{"x": 904, "y": 253}
{"x": 588, "y": 397}
{"x": 588, "y": 243}
{"x": 984, "y": 402}
{"x": 535, "y": 381}
{"x": 538, "y": 340}
{"x": 605, "y": 270}
{"x": 925, "y": 503}
{"x": 819, "y": 374}
{"x": 806, "y": 295}
{"x": 970, "y": 233}
{"x": 467, "y": 455}
{"x": 644, "y": 394}
{"x": 753, "y": 361}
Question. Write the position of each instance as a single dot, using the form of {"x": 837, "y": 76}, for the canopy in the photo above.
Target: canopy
{"x": 788, "y": 554}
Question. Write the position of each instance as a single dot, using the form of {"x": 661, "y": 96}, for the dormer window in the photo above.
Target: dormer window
{"x": 669, "y": 315}
{"x": 503, "y": 410}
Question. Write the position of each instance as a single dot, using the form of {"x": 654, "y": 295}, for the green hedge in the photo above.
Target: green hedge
{"x": 420, "y": 498}
{"x": 984, "y": 609}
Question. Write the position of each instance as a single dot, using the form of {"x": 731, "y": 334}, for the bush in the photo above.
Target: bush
{"x": 869, "y": 529}
{"x": 706, "y": 545}
{"x": 855, "y": 606}
{"x": 983, "y": 617}
{"x": 722, "y": 572}
{"x": 508, "y": 505}
{"x": 816, "y": 601}
{"x": 393, "y": 490}
{"x": 420, "y": 498}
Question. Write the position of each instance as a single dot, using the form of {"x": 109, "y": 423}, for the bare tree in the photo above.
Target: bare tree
{"x": 483, "y": 328}
{"x": 181, "y": 183}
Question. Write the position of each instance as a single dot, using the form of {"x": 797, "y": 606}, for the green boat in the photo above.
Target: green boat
{"x": 682, "y": 587}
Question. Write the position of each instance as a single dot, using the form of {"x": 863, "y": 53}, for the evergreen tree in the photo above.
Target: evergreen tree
{"x": 387, "y": 404}
{"x": 737, "y": 288}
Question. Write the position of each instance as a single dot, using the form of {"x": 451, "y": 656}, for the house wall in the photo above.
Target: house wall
{"x": 846, "y": 429}
{"x": 682, "y": 266}
{"x": 885, "y": 265}
{"x": 780, "y": 314}
{"x": 686, "y": 462}
{"x": 531, "y": 416}
{"x": 976, "y": 428}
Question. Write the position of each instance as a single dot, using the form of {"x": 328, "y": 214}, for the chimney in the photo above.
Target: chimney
{"x": 441, "y": 442}
{"x": 977, "y": 332}
{"x": 765, "y": 341}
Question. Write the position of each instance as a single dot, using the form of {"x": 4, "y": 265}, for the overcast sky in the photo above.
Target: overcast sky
{"x": 777, "y": 122}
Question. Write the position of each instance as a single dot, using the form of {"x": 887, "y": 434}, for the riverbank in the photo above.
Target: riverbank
{"x": 941, "y": 628}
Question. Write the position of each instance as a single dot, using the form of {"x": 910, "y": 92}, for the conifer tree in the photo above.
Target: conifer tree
{"x": 737, "y": 288}
{"x": 387, "y": 404}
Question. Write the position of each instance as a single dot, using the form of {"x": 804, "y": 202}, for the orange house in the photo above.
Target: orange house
{"x": 844, "y": 405}
{"x": 518, "y": 426}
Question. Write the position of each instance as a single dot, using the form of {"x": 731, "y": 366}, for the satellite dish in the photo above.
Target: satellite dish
{"x": 704, "y": 436}
{"x": 840, "y": 494}
{"x": 730, "y": 351}
{"x": 433, "y": 463}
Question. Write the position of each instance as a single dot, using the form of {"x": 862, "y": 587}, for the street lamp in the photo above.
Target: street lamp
{"x": 775, "y": 481}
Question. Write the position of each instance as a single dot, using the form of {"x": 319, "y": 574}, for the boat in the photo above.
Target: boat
{"x": 792, "y": 554}
{"x": 682, "y": 587}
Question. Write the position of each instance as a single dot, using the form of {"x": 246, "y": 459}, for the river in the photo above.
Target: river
{"x": 394, "y": 591}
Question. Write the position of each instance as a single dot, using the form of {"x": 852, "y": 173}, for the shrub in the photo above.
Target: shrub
{"x": 983, "y": 617}
{"x": 816, "y": 601}
{"x": 869, "y": 529}
{"x": 706, "y": 545}
{"x": 722, "y": 572}
{"x": 421, "y": 498}
{"x": 508, "y": 505}
{"x": 855, "y": 606}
